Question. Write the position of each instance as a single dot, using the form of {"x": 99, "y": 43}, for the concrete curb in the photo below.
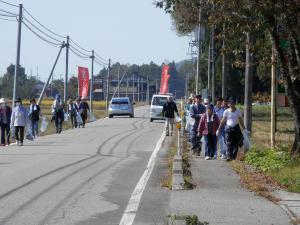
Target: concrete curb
{"x": 289, "y": 203}
{"x": 177, "y": 171}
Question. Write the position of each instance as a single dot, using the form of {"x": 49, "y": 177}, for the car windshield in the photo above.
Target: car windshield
{"x": 160, "y": 101}
{"x": 119, "y": 101}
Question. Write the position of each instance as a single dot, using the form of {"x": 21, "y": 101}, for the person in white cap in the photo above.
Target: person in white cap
{"x": 5, "y": 114}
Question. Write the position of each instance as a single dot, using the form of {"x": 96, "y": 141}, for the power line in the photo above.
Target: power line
{"x": 7, "y": 19}
{"x": 8, "y": 3}
{"x": 42, "y": 38}
{"x": 79, "y": 46}
{"x": 79, "y": 51}
{"x": 78, "y": 54}
{"x": 8, "y": 12}
{"x": 100, "y": 63}
{"x": 41, "y": 30}
{"x": 100, "y": 57}
{"x": 105, "y": 63}
{"x": 6, "y": 15}
{"x": 36, "y": 20}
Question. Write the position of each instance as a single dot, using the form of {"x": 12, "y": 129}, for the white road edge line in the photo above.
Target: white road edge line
{"x": 134, "y": 201}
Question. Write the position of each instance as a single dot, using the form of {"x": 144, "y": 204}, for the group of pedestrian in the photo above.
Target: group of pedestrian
{"x": 18, "y": 121}
{"x": 215, "y": 125}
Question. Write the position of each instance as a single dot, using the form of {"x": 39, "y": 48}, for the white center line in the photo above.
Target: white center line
{"x": 134, "y": 201}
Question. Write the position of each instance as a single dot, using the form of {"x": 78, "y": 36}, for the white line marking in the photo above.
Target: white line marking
{"x": 134, "y": 201}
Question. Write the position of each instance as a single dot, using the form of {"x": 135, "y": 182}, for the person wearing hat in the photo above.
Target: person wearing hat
{"x": 5, "y": 114}
{"x": 207, "y": 128}
{"x": 18, "y": 121}
{"x": 58, "y": 113}
{"x": 34, "y": 116}
{"x": 196, "y": 111}
{"x": 168, "y": 113}
{"x": 232, "y": 118}
{"x": 206, "y": 101}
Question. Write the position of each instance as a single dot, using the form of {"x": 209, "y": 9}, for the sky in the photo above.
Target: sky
{"x": 129, "y": 32}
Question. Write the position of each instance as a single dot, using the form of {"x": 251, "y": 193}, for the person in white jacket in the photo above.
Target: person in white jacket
{"x": 19, "y": 118}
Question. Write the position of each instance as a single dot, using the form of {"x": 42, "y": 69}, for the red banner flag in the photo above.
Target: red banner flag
{"x": 164, "y": 84}
{"x": 83, "y": 81}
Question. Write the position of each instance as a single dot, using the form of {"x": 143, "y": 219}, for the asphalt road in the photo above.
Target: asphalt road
{"x": 83, "y": 176}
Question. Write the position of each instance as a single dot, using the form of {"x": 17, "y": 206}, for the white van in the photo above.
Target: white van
{"x": 156, "y": 107}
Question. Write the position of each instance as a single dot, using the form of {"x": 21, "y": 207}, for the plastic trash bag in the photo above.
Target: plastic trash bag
{"x": 66, "y": 117}
{"x": 191, "y": 121}
{"x": 28, "y": 133}
{"x": 177, "y": 119}
{"x": 246, "y": 141}
{"x": 91, "y": 117}
{"x": 44, "y": 125}
{"x": 79, "y": 119}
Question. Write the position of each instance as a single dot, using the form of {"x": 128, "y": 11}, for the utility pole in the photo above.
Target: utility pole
{"x": 156, "y": 85}
{"x": 133, "y": 86}
{"x": 147, "y": 95}
{"x": 17, "y": 67}
{"x": 273, "y": 99}
{"x": 213, "y": 65}
{"x": 119, "y": 82}
{"x": 107, "y": 85}
{"x": 142, "y": 89}
{"x": 92, "y": 81}
{"x": 208, "y": 68}
{"x": 138, "y": 88}
{"x": 127, "y": 84}
{"x": 198, "y": 76}
{"x": 248, "y": 83}
{"x": 67, "y": 70}
{"x": 224, "y": 68}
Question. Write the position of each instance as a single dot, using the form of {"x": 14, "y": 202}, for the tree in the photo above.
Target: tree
{"x": 280, "y": 18}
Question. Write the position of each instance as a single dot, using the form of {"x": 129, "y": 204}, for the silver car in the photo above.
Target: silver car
{"x": 120, "y": 107}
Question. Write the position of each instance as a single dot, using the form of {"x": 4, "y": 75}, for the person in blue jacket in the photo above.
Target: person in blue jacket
{"x": 196, "y": 111}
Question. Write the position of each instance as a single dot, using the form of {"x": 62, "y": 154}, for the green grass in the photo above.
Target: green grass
{"x": 275, "y": 163}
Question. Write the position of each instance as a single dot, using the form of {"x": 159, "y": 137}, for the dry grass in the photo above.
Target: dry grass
{"x": 255, "y": 181}
{"x": 261, "y": 135}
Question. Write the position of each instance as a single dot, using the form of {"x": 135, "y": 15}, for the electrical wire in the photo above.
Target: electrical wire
{"x": 100, "y": 63}
{"x": 57, "y": 45}
{"x": 7, "y": 19}
{"x": 36, "y": 20}
{"x": 6, "y": 15}
{"x": 8, "y": 3}
{"x": 41, "y": 30}
{"x": 79, "y": 51}
{"x": 8, "y": 12}
{"x": 75, "y": 43}
{"x": 100, "y": 57}
{"x": 78, "y": 54}
{"x": 104, "y": 63}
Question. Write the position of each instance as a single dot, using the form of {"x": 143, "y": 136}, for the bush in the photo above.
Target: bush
{"x": 267, "y": 160}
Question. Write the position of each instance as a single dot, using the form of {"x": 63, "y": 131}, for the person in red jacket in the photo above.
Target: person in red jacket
{"x": 208, "y": 126}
